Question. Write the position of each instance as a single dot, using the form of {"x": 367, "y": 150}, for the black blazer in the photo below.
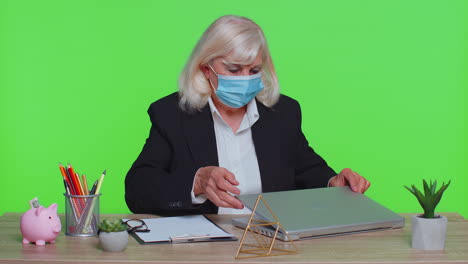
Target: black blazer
{"x": 160, "y": 180}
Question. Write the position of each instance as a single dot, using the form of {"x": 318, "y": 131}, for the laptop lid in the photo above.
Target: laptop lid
{"x": 318, "y": 212}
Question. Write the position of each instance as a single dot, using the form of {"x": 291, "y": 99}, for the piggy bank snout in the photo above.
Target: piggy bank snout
{"x": 54, "y": 222}
{"x": 56, "y": 228}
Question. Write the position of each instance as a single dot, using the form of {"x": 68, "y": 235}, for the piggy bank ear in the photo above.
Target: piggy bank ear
{"x": 53, "y": 207}
{"x": 39, "y": 210}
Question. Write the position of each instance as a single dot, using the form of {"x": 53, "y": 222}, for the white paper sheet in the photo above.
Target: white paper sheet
{"x": 165, "y": 228}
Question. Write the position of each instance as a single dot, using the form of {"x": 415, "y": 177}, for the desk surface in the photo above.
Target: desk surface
{"x": 390, "y": 246}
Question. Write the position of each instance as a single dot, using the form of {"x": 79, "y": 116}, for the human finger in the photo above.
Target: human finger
{"x": 363, "y": 183}
{"x": 350, "y": 179}
{"x": 213, "y": 197}
{"x": 367, "y": 186}
{"x": 225, "y": 181}
{"x": 210, "y": 175}
{"x": 202, "y": 178}
{"x": 226, "y": 186}
{"x": 219, "y": 185}
{"x": 223, "y": 199}
{"x": 336, "y": 181}
{"x": 229, "y": 176}
{"x": 218, "y": 191}
{"x": 232, "y": 201}
{"x": 360, "y": 182}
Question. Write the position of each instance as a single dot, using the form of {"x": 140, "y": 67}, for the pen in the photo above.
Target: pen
{"x": 67, "y": 190}
{"x": 189, "y": 238}
{"x": 93, "y": 189}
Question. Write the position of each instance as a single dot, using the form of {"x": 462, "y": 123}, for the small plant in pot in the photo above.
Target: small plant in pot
{"x": 113, "y": 235}
{"x": 428, "y": 230}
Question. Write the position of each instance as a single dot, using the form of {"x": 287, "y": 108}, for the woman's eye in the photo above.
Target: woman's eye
{"x": 254, "y": 71}
{"x": 233, "y": 70}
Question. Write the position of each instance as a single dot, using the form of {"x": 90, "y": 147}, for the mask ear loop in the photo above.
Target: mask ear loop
{"x": 212, "y": 69}
{"x": 209, "y": 80}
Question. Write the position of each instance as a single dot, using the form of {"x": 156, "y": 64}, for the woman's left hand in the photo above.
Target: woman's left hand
{"x": 350, "y": 178}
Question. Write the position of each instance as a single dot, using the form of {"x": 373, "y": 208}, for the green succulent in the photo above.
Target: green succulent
{"x": 430, "y": 198}
{"x": 114, "y": 226}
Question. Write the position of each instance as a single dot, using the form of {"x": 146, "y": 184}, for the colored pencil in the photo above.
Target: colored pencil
{"x": 80, "y": 185}
{"x": 101, "y": 179}
{"x": 65, "y": 175}
{"x": 71, "y": 201}
{"x": 84, "y": 183}
{"x": 90, "y": 210}
{"x": 75, "y": 182}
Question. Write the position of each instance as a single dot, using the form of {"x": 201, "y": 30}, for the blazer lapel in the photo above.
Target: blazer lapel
{"x": 264, "y": 140}
{"x": 199, "y": 132}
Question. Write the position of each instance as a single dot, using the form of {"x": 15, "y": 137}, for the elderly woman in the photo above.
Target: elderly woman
{"x": 228, "y": 131}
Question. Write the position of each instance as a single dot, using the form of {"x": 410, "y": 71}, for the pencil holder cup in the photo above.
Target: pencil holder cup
{"x": 81, "y": 214}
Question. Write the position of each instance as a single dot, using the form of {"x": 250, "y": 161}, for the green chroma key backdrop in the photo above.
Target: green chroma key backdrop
{"x": 381, "y": 85}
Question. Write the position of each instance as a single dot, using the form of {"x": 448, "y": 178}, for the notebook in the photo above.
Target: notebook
{"x": 320, "y": 212}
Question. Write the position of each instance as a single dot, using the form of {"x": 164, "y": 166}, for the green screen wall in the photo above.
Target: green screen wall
{"x": 381, "y": 85}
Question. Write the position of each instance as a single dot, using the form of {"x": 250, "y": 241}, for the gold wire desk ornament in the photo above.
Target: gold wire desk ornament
{"x": 264, "y": 248}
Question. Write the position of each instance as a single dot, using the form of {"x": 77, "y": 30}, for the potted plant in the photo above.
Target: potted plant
{"x": 428, "y": 230}
{"x": 113, "y": 235}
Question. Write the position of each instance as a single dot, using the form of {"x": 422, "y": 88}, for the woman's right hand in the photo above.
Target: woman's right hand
{"x": 215, "y": 183}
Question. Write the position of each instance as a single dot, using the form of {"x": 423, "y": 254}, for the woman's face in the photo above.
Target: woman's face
{"x": 223, "y": 67}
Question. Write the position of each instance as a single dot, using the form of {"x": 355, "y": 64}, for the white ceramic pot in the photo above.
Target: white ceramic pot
{"x": 113, "y": 241}
{"x": 428, "y": 233}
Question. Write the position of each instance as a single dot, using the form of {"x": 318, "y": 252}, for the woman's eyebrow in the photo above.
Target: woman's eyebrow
{"x": 237, "y": 65}
{"x": 230, "y": 64}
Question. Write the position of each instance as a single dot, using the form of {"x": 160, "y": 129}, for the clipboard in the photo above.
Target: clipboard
{"x": 181, "y": 229}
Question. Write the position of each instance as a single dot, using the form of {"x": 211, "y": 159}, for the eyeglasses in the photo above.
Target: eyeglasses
{"x": 136, "y": 225}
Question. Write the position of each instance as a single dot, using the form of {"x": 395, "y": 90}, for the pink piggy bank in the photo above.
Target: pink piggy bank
{"x": 40, "y": 225}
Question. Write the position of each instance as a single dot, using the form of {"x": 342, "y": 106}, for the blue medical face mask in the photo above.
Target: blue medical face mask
{"x": 237, "y": 91}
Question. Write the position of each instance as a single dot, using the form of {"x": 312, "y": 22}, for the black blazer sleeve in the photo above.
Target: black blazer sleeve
{"x": 311, "y": 169}
{"x": 161, "y": 178}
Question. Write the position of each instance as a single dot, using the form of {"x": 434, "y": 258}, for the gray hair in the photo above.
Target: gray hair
{"x": 237, "y": 38}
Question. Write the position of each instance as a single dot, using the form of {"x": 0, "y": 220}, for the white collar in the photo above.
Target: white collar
{"x": 251, "y": 113}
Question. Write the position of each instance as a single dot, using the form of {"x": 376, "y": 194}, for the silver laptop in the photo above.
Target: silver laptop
{"x": 320, "y": 212}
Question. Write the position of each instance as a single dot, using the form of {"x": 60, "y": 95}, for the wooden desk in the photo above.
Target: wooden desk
{"x": 391, "y": 246}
